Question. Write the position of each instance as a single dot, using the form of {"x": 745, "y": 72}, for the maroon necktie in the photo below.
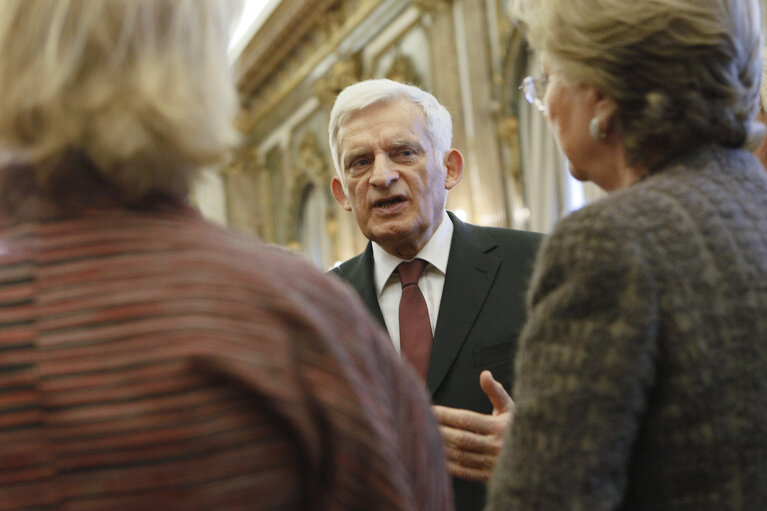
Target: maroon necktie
{"x": 415, "y": 335}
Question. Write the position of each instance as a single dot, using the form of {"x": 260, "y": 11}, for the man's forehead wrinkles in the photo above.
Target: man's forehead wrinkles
{"x": 365, "y": 143}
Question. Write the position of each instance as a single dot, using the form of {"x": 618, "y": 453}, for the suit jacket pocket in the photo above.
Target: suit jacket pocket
{"x": 494, "y": 354}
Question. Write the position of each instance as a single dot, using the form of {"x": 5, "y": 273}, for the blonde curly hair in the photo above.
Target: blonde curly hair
{"x": 141, "y": 89}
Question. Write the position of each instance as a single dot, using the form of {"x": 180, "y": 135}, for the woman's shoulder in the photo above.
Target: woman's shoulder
{"x": 611, "y": 214}
{"x": 646, "y": 205}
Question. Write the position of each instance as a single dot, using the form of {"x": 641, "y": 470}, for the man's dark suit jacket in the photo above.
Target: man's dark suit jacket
{"x": 480, "y": 315}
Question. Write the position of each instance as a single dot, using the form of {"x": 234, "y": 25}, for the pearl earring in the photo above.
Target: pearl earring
{"x": 595, "y": 130}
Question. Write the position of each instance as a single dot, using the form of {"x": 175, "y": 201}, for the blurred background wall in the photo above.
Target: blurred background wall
{"x": 296, "y": 55}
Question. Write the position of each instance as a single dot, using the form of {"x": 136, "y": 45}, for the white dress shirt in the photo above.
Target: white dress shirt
{"x": 431, "y": 283}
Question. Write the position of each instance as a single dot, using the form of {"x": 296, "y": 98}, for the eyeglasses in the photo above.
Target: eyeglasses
{"x": 534, "y": 88}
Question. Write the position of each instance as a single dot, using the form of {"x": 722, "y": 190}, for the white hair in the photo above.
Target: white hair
{"x": 363, "y": 94}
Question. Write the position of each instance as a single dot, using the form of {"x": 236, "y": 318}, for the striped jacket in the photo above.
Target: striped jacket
{"x": 150, "y": 360}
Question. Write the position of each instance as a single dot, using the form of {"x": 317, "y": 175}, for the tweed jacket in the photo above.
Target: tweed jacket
{"x": 641, "y": 375}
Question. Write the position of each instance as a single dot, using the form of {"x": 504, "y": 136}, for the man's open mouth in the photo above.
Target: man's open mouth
{"x": 387, "y": 203}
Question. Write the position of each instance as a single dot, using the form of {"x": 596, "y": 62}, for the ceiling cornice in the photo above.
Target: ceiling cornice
{"x": 290, "y": 21}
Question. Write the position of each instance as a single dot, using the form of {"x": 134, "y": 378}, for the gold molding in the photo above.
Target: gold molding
{"x": 289, "y": 22}
{"x": 403, "y": 70}
{"x": 311, "y": 168}
{"x": 342, "y": 74}
{"x": 430, "y": 5}
{"x": 277, "y": 60}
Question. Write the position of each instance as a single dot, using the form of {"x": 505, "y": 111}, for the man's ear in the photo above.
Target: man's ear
{"x": 454, "y": 165}
{"x": 338, "y": 193}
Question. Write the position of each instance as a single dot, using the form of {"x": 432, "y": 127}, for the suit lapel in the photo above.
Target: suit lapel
{"x": 468, "y": 280}
{"x": 361, "y": 275}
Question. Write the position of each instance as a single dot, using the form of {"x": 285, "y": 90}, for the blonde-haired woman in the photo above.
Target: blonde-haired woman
{"x": 640, "y": 380}
{"x": 148, "y": 359}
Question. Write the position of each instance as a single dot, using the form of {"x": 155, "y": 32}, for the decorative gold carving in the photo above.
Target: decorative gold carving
{"x": 312, "y": 171}
{"x": 430, "y": 5}
{"x": 234, "y": 167}
{"x": 276, "y": 176}
{"x": 513, "y": 68}
{"x": 273, "y": 161}
{"x": 278, "y": 59}
{"x": 509, "y": 131}
{"x": 342, "y": 74}
{"x": 270, "y": 47}
{"x": 403, "y": 70}
{"x": 243, "y": 180}
{"x": 311, "y": 161}
{"x": 242, "y": 161}
{"x": 333, "y": 21}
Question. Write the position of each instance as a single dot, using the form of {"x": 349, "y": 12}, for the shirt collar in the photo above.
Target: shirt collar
{"x": 435, "y": 252}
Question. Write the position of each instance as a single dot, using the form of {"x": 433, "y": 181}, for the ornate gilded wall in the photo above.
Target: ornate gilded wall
{"x": 466, "y": 52}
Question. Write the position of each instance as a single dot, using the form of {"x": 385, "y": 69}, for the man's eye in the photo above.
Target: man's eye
{"x": 359, "y": 165}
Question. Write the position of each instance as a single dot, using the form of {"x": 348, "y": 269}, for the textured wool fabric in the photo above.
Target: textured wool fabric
{"x": 641, "y": 375}
{"x": 153, "y": 361}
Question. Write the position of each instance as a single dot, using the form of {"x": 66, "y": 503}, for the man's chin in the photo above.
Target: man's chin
{"x": 389, "y": 235}
{"x": 392, "y": 235}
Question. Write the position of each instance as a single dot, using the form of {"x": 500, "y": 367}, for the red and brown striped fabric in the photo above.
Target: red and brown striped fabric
{"x": 154, "y": 361}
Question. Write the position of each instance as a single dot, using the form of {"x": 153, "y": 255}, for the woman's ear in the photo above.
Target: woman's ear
{"x": 604, "y": 110}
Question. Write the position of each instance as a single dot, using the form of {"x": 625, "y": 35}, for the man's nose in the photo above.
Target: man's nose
{"x": 384, "y": 172}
